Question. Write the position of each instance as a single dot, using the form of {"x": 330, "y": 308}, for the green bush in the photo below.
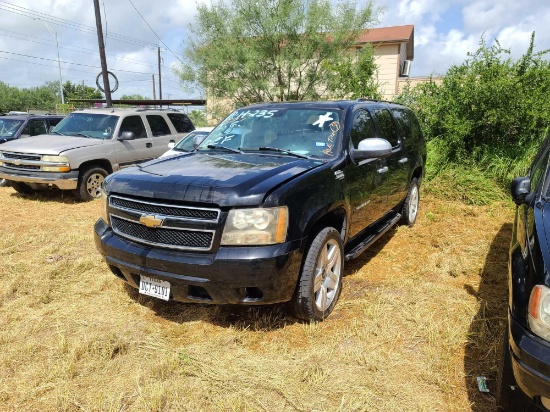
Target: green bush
{"x": 486, "y": 116}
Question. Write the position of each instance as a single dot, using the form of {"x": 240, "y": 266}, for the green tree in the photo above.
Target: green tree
{"x": 198, "y": 117}
{"x": 14, "y": 98}
{"x": 272, "y": 50}
{"x": 133, "y": 97}
{"x": 80, "y": 91}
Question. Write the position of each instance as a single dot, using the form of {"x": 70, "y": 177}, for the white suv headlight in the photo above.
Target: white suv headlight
{"x": 539, "y": 311}
{"x": 260, "y": 226}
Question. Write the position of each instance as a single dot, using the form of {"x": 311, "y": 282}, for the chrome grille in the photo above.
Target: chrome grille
{"x": 175, "y": 211}
{"x": 21, "y": 156}
{"x": 171, "y": 238}
{"x": 20, "y": 167}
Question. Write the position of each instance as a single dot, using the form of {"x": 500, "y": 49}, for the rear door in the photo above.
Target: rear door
{"x": 395, "y": 180}
{"x": 162, "y": 133}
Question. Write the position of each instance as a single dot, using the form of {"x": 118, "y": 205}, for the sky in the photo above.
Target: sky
{"x": 444, "y": 32}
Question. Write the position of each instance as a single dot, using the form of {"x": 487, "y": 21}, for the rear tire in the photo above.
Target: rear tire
{"x": 410, "y": 207}
{"x": 21, "y": 187}
{"x": 89, "y": 183}
{"x": 320, "y": 280}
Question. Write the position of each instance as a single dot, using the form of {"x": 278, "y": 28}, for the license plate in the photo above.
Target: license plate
{"x": 154, "y": 287}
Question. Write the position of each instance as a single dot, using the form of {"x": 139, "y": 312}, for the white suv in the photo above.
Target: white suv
{"x": 90, "y": 144}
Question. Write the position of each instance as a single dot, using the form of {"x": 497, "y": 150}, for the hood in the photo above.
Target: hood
{"x": 48, "y": 144}
{"x": 220, "y": 179}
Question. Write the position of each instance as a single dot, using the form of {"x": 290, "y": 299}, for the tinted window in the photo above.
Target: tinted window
{"x": 53, "y": 121}
{"x": 386, "y": 127}
{"x": 362, "y": 127}
{"x": 181, "y": 122}
{"x": 159, "y": 127}
{"x": 408, "y": 123}
{"x": 133, "y": 124}
{"x": 37, "y": 127}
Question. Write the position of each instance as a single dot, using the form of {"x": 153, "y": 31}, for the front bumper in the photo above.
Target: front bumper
{"x": 232, "y": 275}
{"x": 530, "y": 360}
{"x": 63, "y": 181}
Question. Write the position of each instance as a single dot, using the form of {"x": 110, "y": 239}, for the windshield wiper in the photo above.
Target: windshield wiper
{"x": 284, "y": 151}
{"x": 217, "y": 146}
{"x": 59, "y": 133}
{"x": 82, "y": 134}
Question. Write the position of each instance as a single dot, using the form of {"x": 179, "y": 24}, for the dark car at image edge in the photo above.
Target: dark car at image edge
{"x": 268, "y": 207}
{"x": 524, "y": 371}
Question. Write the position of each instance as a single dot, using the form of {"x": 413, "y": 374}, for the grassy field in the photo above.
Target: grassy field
{"x": 420, "y": 316}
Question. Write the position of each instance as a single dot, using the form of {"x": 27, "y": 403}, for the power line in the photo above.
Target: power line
{"x": 12, "y": 8}
{"x": 148, "y": 25}
{"x": 73, "y": 48}
{"x": 65, "y": 62}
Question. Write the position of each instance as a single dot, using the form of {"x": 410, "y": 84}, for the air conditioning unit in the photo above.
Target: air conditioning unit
{"x": 406, "y": 68}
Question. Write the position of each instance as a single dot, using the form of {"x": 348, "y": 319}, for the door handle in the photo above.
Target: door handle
{"x": 149, "y": 145}
{"x": 403, "y": 161}
{"x": 383, "y": 170}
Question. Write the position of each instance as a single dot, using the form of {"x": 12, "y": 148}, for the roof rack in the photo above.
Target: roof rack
{"x": 144, "y": 109}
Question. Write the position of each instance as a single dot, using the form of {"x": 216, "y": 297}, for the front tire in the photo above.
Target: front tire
{"x": 320, "y": 280}
{"x": 410, "y": 207}
{"x": 21, "y": 188}
{"x": 89, "y": 183}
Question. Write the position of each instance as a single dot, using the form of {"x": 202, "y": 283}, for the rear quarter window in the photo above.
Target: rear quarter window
{"x": 181, "y": 122}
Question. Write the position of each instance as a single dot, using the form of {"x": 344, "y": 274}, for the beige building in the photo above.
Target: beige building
{"x": 393, "y": 53}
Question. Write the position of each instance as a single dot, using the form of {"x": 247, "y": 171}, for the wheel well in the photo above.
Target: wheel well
{"x": 103, "y": 163}
{"x": 335, "y": 218}
{"x": 418, "y": 174}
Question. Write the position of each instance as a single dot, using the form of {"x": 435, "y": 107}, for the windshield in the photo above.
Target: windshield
{"x": 97, "y": 126}
{"x": 309, "y": 132}
{"x": 186, "y": 144}
{"x": 8, "y": 127}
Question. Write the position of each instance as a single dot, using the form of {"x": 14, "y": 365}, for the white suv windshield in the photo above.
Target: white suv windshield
{"x": 309, "y": 132}
{"x": 97, "y": 126}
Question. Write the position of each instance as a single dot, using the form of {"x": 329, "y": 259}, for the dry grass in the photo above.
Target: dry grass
{"x": 419, "y": 318}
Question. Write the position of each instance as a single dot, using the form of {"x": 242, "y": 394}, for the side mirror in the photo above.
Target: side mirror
{"x": 127, "y": 136}
{"x": 171, "y": 145}
{"x": 520, "y": 190}
{"x": 197, "y": 140}
{"x": 372, "y": 148}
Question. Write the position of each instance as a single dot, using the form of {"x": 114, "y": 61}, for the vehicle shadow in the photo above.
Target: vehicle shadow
{"x": 251, "y": 318}
{"x": 482, "y": 351}
{"x": 61, "y": 196}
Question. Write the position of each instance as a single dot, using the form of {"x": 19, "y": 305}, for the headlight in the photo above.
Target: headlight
{"x": 539, "y": 311}
{"x": 55, "y": 159}
{"x": 104, "y": 205}
{"x": 62, "y": 167}
{"x": 261, "y": 226}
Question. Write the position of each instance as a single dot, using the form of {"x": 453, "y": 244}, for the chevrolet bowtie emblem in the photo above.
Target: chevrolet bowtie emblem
{"x": 150, "y": 221}
{"x": 17, "y": 162}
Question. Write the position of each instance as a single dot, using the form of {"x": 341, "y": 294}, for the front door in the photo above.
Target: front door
{"x": 364, "y": 179}
{"x": 129, "y": 152}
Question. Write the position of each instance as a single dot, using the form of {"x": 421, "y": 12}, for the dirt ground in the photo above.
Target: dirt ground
{"x": 420, "y": 317}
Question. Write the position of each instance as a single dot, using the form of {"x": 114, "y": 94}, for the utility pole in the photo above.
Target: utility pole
{"x": 54, "y": 33}
{"x": 154, "y": 92}
{"x": 160, "y": 78}
{"x": 106, "y": 85}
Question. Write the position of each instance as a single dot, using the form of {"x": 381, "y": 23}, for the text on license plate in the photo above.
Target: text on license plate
{"x": 154, "y": 287}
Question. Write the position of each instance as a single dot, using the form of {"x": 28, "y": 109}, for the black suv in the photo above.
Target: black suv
{"x": 267, "y": 208}
{"x": 24, "y": 125}
{"x": 525, "y": 360}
